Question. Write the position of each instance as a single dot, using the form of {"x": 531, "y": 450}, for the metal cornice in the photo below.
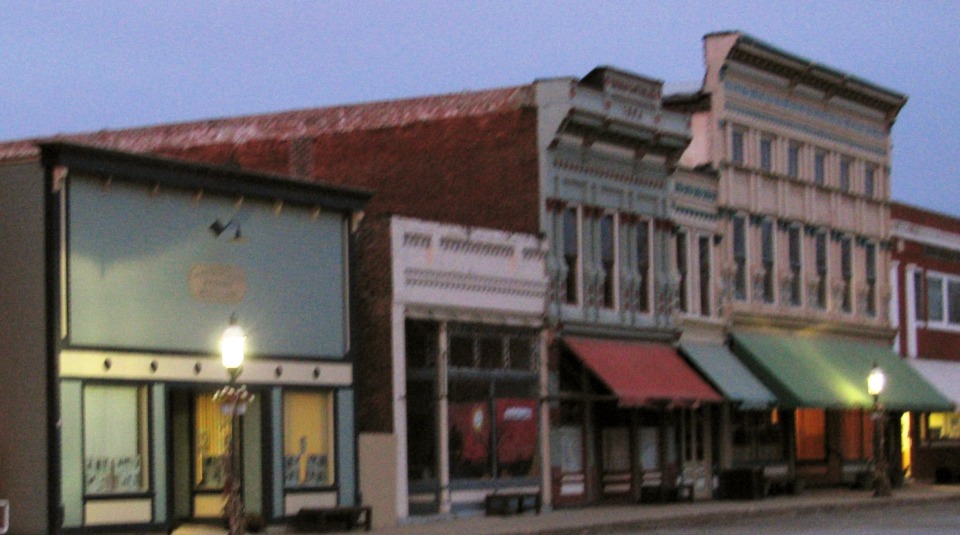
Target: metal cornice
{"x": 152, "y": 169}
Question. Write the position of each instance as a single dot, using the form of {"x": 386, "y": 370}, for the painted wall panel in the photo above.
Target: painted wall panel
{"x": 23, "y": 355}
{"x": 71, "y": 443}
{"x": 147, "y": 272}
{"x": 159, "y": 461}
{"x": 346, "y": 447}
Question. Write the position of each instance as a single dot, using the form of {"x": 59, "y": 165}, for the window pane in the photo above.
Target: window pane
{"x": 740, "y": 258}
{"x": 461, "y": 352}
{"x": 643, "y": 264}
{"x": 934, "y": 299}
{"x": 523, "y": 353}
{"x": 793, "y": 160}
{"x": 845, "y": 175}
{"x": 470, "y": 429}
{"x": 766, "y": 245}
{"x": 819, "y": 168}
{"x": 868, "y": 182}
{"x": 918, "y": 295}
{"x": 421, "y": 344}
{"x": 705, "y": 282}
{"x": 516, "y": 437}
{"x": 491, "y": 352}
{"x": 307, "y": 439}
{"x": 821, "y": 243}
{"x": 736, "y": 153}
{"x": 811, "y": 429}
{"x": 571, "y": 254}
{"x": 943, "y": 426}
{"x": 114, "y": 439}
{"x": 421, "y": 431}
{"x": 681, "y": 251}
{"x": 953, "y": 301}
{"x": 793, "y": 238}
{"x": 766, "y": 153}
{"x": 607, "y": 258}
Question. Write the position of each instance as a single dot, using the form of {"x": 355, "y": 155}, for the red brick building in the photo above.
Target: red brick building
{"x": 926, "y": 278}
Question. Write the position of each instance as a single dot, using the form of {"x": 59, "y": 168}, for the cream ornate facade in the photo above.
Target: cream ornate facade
{"x": 803, "y": 153}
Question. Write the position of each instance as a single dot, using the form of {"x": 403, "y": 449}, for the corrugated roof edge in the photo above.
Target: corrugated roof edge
{"x": 288, "y": 124}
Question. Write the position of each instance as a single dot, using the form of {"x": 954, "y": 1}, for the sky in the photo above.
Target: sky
{"x": 85, "y": 65}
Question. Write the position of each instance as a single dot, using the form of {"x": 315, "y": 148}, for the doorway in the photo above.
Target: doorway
{"x": 200, "y": 431}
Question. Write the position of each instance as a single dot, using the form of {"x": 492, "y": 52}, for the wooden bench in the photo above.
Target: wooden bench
{"x": 318, "y": 519}
{"x": 511, "y": 501}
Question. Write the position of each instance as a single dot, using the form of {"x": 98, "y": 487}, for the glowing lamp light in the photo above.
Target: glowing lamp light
{"x": 876, "y": 380}
{"x": 232, "y": 345}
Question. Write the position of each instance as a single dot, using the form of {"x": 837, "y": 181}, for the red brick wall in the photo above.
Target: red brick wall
{"x": 478, "y": 171}
{"x": 371, "y": 291}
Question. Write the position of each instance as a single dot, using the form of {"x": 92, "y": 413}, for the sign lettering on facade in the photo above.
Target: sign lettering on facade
{"x": 218, "y": 283}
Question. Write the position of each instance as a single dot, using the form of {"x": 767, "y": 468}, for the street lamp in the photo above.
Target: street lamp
{"x": 876, "y": 380}
{"x": 233, "y": 402}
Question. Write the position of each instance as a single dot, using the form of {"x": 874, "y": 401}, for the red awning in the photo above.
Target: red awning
{"x": 643, "y": 374}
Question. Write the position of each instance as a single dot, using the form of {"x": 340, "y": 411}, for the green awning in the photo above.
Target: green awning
{"x": 728, "y": 374}
{"x": 829, "y": 372}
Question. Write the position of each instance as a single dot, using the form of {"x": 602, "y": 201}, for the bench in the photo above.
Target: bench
{"x": 318, "y": 519}
{"x": 512, "y": 501}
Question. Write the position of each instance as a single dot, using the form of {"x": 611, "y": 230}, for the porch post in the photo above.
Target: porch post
{"x": 443, "y": 429}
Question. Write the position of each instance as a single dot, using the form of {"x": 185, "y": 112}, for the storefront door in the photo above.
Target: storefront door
{"x": 201, "y": 436}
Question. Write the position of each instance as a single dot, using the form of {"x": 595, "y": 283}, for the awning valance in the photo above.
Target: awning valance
{"x": 829, "y": 372}
{"x": 642, "y": 374}
{"x": 728, "y": 374}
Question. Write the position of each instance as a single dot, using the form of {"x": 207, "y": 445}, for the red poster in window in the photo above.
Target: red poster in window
{"x": 516, "y": 430}
{"x": 469, "y": 431}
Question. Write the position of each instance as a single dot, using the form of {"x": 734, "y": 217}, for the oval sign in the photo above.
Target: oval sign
{"x": 218, "y": 283}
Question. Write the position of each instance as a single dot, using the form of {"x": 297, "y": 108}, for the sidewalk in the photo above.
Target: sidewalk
{"x": 619, "y": 518}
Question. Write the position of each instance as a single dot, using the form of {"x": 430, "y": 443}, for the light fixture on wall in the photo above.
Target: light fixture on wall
{"x": 218, "y": 227}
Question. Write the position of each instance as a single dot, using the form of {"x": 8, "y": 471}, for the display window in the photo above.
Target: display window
{"x": 811, "y": 430}
{"x": 941, "y": 426}
{"x": 857, "y": 430}
{"x": 308, "y": 437}
{"x": 115, "y": 439}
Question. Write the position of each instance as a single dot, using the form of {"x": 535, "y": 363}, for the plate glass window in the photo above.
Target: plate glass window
{"x": 115, "y": 439}
{"x": 307, "y": 439}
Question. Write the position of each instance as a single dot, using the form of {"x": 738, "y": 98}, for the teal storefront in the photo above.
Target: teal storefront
{"x": 155, "y": 256}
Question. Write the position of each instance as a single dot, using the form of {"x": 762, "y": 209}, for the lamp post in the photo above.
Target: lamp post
{"x": 876, "y": 380}
{"x": 233, "y": 402}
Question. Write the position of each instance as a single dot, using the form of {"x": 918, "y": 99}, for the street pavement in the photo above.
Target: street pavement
{"x": 674, "y": 517}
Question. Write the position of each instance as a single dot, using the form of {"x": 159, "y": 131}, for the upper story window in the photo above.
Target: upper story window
{"x": 682, "y": 266}
{"x": 869, "y": 182}
{"x": 643, "y": 264}
{"x": 935, "y": 299}
{"x": 766, "y": 153}
{"x": 793, "y": 159}
{"x": 703, "y": 254}
{"x": 767, "y": 257}
{"x": 943, "y": 299}
{"x": 793, "y": 244}
{"x": 740, "y": 257}
{"x": 845, "y": 174}
{"x": 608, "y": 260}
{"x": 820, "y": 167}
{"x": 736, "y": 146}
{"x": 918, "y": 295}
{"x": 571, "y": 254}
{"x": 870, "y": 276}
{"x": 846, "y": 270}
{"x": 821, "y": 251}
